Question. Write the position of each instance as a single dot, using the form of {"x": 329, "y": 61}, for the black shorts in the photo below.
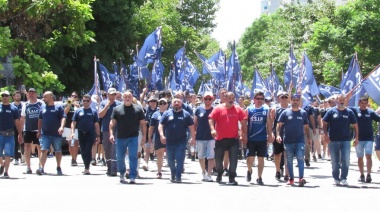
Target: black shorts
{"x": 31, "y": 137}
{"x": 256, "y": 148}
{"x": 159, "y": 145}
{"x": 278, "y": 147}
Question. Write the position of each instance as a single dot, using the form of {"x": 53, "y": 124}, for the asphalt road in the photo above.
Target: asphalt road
{"x": 97, "y": 192}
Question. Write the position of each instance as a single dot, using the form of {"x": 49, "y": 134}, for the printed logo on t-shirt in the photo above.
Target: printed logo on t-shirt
{"x": 299, "y": 117}
{"x": 345, "y": 116}
{"x": 264, "y": 113}
{"x": 360, "y": 114}
{"x": 170, "y": 117}
{"x": 335, "y": 115}
{"x": 180, "y": 117}
{"x": 7, "y": 111}
{"x": 44, "y": 111}
{"x": 52, "y": 111}
{"x": 201, "y": 115}
{"x": 367, "y": 115}
{"x": 290, "y": 117}
{"x": 89, "y": 114}
{"x": 81, "y": 114}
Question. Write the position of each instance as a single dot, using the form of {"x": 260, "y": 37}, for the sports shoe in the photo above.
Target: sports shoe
{"x": 193, "y": 158}
{"x": 145, "y": 167}
{"x": 278, "y": 176}
{"x": 344, "y": 182}
{"x": 314, "y": 158}
{"x": 209, "y": 178}
{"x": 28, "y": 171}
{"x": 249, "y": 176}
{"x": 159, "y": 175}
{"x": 93, "y": 162}
{"x": 286, "y": 178}
{"x": 122, "y": 179}
{"x": 302, "y": 182}
{"x": 219, "y": 178}
{"x": 319, "y": 156}
{"x": 132, "y": 181}
{"x": 104, "y": 162}
{"x": 1, "y": 170}
{"x": 74, "y": 163}
{"x": 259, "y": 181}
{"x": 232, "y": 182}
{"x": 59, "y": 171}
{"x": 16, "y": 162}
{"x": 368, "y": 179}
{"x": 178, "y": 180}
{"x": 204, "y": 178}
{"x": 226, "y": 172}
{"x": 307, "y": 162}
{"x": 127, "y": 175}
{"x": 324, "y": 156}
{"x": 40, "y": 171}
{"x": 6, "y": 176}
{"x": 337, "y": 182}
{"x": 362, "y": 178}
{"x": 290, "y": 182}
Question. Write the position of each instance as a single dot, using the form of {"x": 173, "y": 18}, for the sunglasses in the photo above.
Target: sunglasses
{"x": 284, "y": 97}
{"x": 163, "y": 103}
{"x": 4, "y": 95}
{"x": 259, "y": 99}
{"x": 74, "y": 96}
{"x": 86, "y": 100}
{"x": 207, "y": 99}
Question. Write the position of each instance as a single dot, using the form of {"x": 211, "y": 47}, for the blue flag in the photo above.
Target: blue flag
{"x": 273, "y": 83}
{"x": 328, "y": 90}
{"x": 95, "y": 93}
{"x": 307, "y": 71}
{"x": 218, "y": 61}
{"x": 234, "y": 70}
{"x": 133, "y": 80}
{"x": 291, "y": 73}
{"x": 151, "y": 49}
{"x": 258, "y": 84}
{"x": 210, "y": 67}
{"x": 157, "y": 76}
{"x": 372, "y": 85}
{"x": 191, "y": 72}
{"x": 353, "y": 80}
{"x": 344, "y": 79}
{"x": 107, "y": 78}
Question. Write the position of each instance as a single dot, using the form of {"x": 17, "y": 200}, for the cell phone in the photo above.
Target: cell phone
{"x": 22, "y": 88}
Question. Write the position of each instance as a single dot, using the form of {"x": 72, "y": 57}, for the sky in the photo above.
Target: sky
{"x": 233, "y": 17}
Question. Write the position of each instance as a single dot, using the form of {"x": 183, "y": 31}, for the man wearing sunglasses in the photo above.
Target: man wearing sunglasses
{"x": 9, "y": 119}
{"x": 154, "y": 135}
{"x": 205, "y": 141}
{"x": 295, "y": 124}
{"x": 86, "y": 120}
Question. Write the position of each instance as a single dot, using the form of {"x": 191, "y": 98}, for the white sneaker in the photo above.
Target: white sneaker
{"x": 336, "y": 182}
{"x": 209, "y": 178}
{"x": 122, "y": 180}
{"x": 324, "y": 156}
{"x": 204, "y": 177}
{"x": 344, "y": 182}
{"x": 15, "y": 162}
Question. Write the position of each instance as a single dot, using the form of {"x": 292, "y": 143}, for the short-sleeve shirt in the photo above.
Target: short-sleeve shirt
{"x": 154, "y": 121}
{"x": 69, "y": 116}
{"x": 257, "y": 123}
{"x": 31, "y": 112}
{"x": 293, "y": 122}
{"x": 365, "y": 118}
{"x": 339, "y": 123}
{"x": 8, "y": 113}
{"x": 85, "y": 119}
{"x": 226, "y": 121}
{"x": 279, "y": 110}
{"x": 176, "y": 125}
{"x": 19, "y": 107}
{"x": 309, "y": 113}
{"x": 51, "y": 116}
{"x": 107, "y": 117}
{"x": 149, "y": 113}
{"x": 128, "y": 120}
{"x": 203, "y": 127}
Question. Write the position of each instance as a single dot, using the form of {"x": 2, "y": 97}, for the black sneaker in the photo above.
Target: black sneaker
{"x": 368, "y": 179}
{"x": 93, "y": 162}
{"x": 314, "y": 158}
{"x": 278, "y": 176}
{"x": 362, "y": 178}
{"x": 249, "y": 176}
{"x": 6, "y": 176}
{"x": 282, "y": 172}
{"x": 1, "y": 170}
{"x": 302, "y": 182}
{"x": 307, "y": 162}
{"x": 319, "y": 156}
{"x": 226, "y": 172}
{"x": 259, "y": 181}
{"x": 219, "y": 178}
{"x": 193, "y": 158}
{"x": 28, "y": 171}
{"x": 232, "y": 182}
{"x": 286, "y": 178}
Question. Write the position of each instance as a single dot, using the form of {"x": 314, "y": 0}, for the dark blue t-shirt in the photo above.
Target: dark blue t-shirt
{"x": 19, "y": 107}
{"x": 51, "y": 119}
{"x": 148, "y": 114}
{"x": 365, "y": 118}
{"x": 85, "y": 119}
{"x": 154, "y": 121}
{"x": 31, "y": 112}
{"x": 8, "y": 114}
{"x": 279, "y": 110}
{"x": 107, "y": 117}
{"x": 339, "y": 123}
{"x": 203, "y": 128}
{"x": 293, "y": 122}
{"x": 309, "y": 113}
{"x": 257, "y": 123}
{"x": 175, "y": 126}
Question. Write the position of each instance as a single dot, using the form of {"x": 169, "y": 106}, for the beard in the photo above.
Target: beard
{"x": 176, "y": 108}
{"x": 341, "y": 105}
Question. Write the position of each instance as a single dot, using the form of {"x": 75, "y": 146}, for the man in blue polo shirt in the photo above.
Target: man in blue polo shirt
{"x": 9, "y": 118}
{"x": 51, "y": 122}
{"x": 259, "y": 132}
{"x": 173, "y": 132}
{"x": 87, "y": 121}
{"x": 338, "y": 137}
{"x": 295, "y": 124}
{"x": 364, "y": 116}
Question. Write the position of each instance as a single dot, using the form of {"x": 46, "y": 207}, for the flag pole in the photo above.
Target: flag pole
{"x": 138, "y": 71}
{"x": 96, "y": 81}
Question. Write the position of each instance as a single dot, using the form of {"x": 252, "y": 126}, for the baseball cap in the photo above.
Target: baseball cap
{"x": 282, "y": 93}
{"x": 163, "y": 100}
{"x": 6, "y": 92}
{"x": 111, "y": 90}
{"x": 152, "y": 98}
{"x": 208, "y": 94}
{"x": 296, "y": 96}
{"x": 32, "y": 90}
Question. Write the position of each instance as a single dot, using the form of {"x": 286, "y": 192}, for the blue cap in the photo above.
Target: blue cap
{"x": 294, "y": 96}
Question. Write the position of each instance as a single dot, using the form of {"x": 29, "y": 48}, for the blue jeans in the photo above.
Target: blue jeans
{"x": 121, "y": 147}
{"x": 299, "y": 150}
{"x": 176, "y": 154}
{"x": 340, "y": 153}
{"x": 47, "y": 141}
{"x": 7, "y": 145}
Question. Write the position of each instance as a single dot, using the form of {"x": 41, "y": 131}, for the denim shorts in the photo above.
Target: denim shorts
{"x": 377, "y": 142}
{"x": 47, "y": 140}
{"x": 205, "y": 149}
{"x": 364, "y": 146}
{"x": 7, "y": 145}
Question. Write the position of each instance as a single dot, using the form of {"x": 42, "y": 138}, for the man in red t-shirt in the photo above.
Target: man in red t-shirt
{"x": 224, "y": 127}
